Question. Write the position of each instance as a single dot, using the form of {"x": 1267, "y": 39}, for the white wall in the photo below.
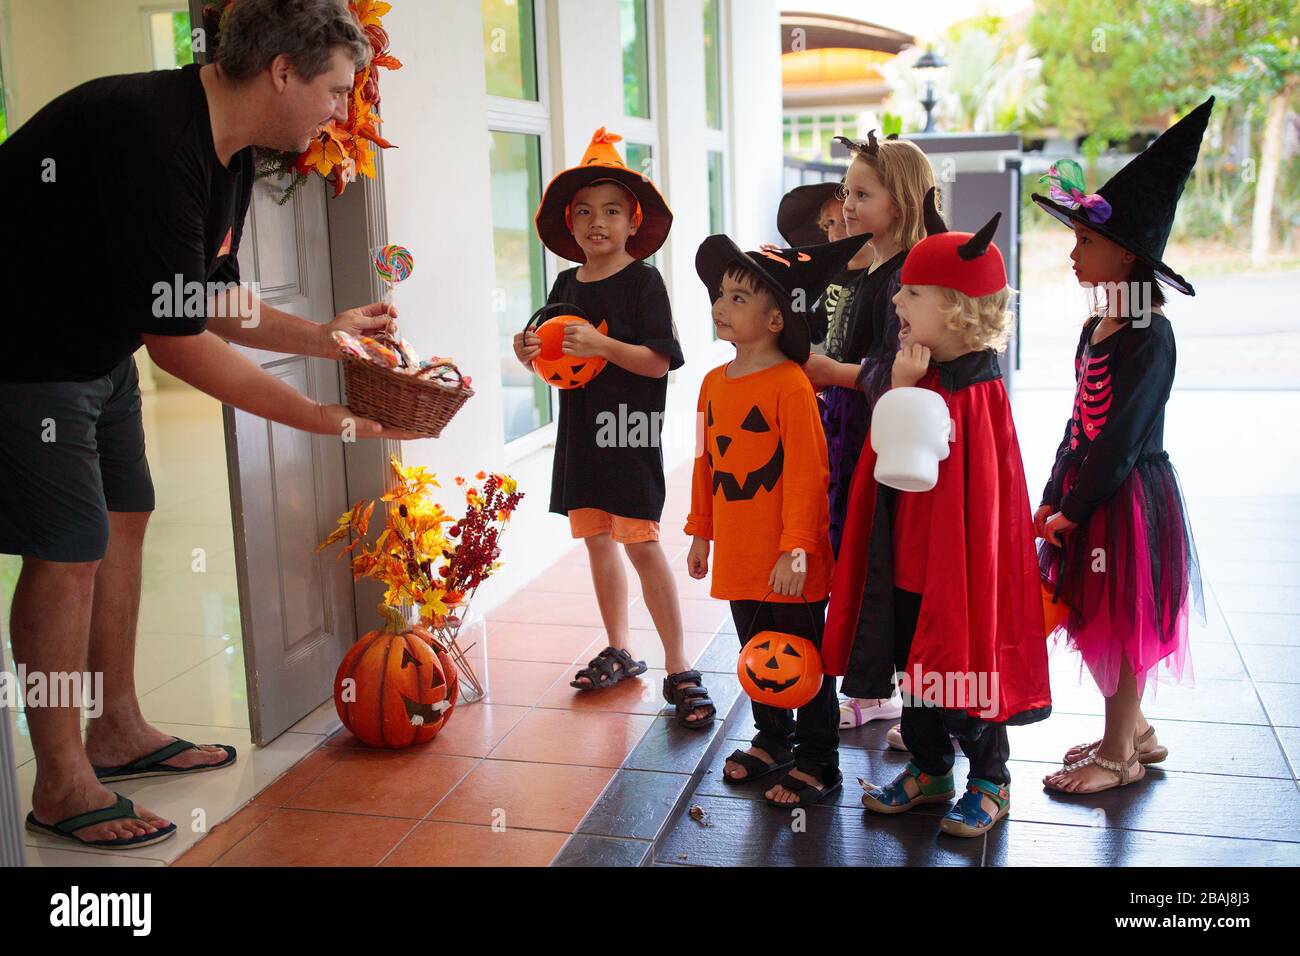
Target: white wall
{"x": 438, "y": 195}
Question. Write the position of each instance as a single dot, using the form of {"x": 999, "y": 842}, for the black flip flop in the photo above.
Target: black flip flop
{"x": 600, "y": 672}
{"x": 756, "y": 768}
{"x": 814, "y": 797}
{"x": 123, "y": 809}
{"x": 151, "y": 765}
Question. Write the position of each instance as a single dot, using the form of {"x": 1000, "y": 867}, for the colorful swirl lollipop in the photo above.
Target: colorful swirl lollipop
{"x": 394, "y": 263}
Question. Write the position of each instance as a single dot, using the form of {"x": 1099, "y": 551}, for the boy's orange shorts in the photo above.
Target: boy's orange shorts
{"x": 588, "y": 522}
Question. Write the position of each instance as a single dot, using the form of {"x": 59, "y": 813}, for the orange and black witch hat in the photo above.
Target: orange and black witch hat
{"x": 602, "y": 163}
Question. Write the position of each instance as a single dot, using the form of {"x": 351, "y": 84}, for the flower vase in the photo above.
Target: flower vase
{"x": 461, "y": 635}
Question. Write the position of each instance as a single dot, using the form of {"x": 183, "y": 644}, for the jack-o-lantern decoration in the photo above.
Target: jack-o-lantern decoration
{"x": 745, "y": 458}
{"x": 554, "y": 367}
{"x": 780, "y": 670}
{"x": 1054, "y": 613}
{"x": 395, "y": 687}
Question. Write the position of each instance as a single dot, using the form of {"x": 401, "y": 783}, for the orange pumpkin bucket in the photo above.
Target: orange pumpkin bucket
{"x": 554, "y": 367}
{"x": 780, "y": 669}
{"x": 1054, "y": 612}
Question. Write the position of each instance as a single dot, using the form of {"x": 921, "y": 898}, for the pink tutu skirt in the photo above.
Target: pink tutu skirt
{"x": 1130, "y": 578}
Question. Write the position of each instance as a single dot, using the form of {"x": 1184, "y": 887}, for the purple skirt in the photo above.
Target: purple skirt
{"x": 846, "y": 418}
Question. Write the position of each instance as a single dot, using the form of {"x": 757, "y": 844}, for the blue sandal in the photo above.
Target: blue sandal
{"x": 968, "y": 818}
{"x": 893, "y": 798}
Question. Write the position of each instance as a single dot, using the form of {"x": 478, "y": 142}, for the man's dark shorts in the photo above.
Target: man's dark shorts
{"x": 70, "y": 452}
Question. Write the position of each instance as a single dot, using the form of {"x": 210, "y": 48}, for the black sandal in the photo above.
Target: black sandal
{"x": 756, "y": 768}
{"x": 814, "y": 796}
{"x": 689, "y": 699}
{"x": 600, "y": 671}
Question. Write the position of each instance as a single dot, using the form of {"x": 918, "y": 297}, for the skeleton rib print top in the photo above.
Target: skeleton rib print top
{"x": 1122, "y": 384}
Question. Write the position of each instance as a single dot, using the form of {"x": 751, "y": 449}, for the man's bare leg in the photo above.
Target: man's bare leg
{"x": 121, "y": 734}
{"x": 49, "y": 623}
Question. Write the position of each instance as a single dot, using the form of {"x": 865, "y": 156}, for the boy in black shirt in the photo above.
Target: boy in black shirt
{"x": 608, "y": 474}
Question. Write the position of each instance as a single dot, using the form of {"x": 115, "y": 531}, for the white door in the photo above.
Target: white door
{"x": 287, "y": 487}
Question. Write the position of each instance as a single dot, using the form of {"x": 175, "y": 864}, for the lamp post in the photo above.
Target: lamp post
{"x": 931, "y": 63}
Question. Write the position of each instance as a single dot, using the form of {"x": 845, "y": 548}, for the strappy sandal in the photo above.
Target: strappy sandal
{"x": 894, "y": 798}
{"x": 1157, "y": 754}
{"x": 969, "y": 818}
{"x": 1121, "y": 770}
{"x": 600, "y": 671}
{"x": 689, "y": 699}
{"x": 756, "y": 768}
{"x": 808, "y": 794}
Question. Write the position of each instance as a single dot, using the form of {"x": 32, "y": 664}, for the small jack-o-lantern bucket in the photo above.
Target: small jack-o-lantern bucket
{"x": 554, "y": 367}
{"x": 780, "y": 669}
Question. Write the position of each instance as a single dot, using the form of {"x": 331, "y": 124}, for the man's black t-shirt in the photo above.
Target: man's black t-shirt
{"x": 607, "y": 450}
{"x": 115, "y": 201}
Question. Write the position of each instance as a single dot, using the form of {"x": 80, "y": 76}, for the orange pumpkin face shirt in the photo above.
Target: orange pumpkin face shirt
{"x": 759, "y": 487}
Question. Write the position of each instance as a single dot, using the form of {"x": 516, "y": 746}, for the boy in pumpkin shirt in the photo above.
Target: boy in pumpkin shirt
{"x": 759, "y": 492}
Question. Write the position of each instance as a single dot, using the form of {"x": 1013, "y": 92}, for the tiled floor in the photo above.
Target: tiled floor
{"x": 1226, "y": 796}
{"x": 511, "y": 777}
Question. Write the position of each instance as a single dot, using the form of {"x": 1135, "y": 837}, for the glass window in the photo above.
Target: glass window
{"x": 636, "y": 58}
{"x": 717, "y": 209}
{"x": 169, "y": 39}
{"x": 510, "y": 48}
{"x": 519, "y": 282}
{"x": 713, "y": 63}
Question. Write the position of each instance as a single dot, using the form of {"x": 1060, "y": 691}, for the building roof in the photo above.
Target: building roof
{"x": 824, "y": 30}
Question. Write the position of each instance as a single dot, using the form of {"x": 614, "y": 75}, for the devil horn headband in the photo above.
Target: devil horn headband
{"x": 978, "y": 244}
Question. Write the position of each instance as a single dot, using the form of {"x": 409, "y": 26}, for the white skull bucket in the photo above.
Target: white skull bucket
{"x": 910, "y": 432}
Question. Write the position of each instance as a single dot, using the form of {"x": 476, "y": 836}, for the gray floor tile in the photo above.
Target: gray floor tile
{"x": 636, "y": 804}
{"x": 1282, "y": 702}
{"x": 1017, "y": 842}
{"x": 1275, "y": 663}
{"x": 583, "y": 849}
{"x": 1250, "y": 628}
{"x": 1258, "y": 598}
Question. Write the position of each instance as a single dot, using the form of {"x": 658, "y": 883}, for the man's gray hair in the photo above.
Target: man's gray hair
{"x": 307, "y": 31}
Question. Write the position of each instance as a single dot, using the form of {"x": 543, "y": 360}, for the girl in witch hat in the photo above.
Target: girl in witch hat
{"x": 810, "y": 215}
{"x": 884, "y": 192}
{"x": 1118, "y": 549}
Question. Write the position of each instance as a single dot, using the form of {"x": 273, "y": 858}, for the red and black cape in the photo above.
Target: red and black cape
{"x": 981, "y": 610}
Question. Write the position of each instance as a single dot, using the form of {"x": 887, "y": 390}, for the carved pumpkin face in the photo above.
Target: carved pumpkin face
{"x": 745, "y": 457}
{"x": 558, "y": 369}
{"x": 402, "y": 689}
{"x": 781, "y": 670}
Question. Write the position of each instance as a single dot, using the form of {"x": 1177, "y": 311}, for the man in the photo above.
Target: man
{"x": 124, "y": 186}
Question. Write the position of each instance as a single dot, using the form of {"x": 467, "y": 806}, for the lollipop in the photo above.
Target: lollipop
{"x": 393, "y": 264}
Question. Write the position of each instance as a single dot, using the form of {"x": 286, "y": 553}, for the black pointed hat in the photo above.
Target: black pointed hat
{"x": 800, "y": 209}
{"x": 1135, "y": 209}
{"x": 797, "y": 277}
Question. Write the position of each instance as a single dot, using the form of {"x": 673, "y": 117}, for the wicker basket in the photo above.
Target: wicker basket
{"x": 402, "y": 401}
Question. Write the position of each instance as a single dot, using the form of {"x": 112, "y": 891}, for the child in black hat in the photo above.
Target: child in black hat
{"x": 759, "y": 491}
{"x": 1113, "y": 492}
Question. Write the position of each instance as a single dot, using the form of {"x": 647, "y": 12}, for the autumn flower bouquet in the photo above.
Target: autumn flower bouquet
{"x": 341, "y": 152}
{"x": 430, "y": 561}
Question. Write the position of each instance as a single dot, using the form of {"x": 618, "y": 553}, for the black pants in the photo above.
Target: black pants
{"x": 813, "y": 733}
{"x": 926, "y": 730}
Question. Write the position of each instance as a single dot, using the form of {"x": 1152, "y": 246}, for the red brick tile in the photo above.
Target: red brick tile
{"x": 385, "y": 784}
{"x": 460, "y": 844}
{"x": 225, "y": 835}
{"x": 308, "y": 838}
{"x": 555, "y": 643}
{"x": 473, "y": 730}
{"x": 546, "y": 607}
{"x": 521, "y": 683}
{"x": 635, "y": 695}
{"x": 536, "y": 796}
{"x": 590, "y": 739}
{"x": 290, "y": 783}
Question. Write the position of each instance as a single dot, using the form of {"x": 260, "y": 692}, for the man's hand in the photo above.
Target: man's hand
{"x": 366, "y": 320}
{"x": 583, "y": 340}
{"x": 1040, "y": 519}
{"x": 528, "y": 345}
{"x": 341, "y": 420}
{"x": 910, "y": 365}
{"x": 1055, "y": 526}
{"x": 784, "y": 579}
{"x": 697, "y": 559}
